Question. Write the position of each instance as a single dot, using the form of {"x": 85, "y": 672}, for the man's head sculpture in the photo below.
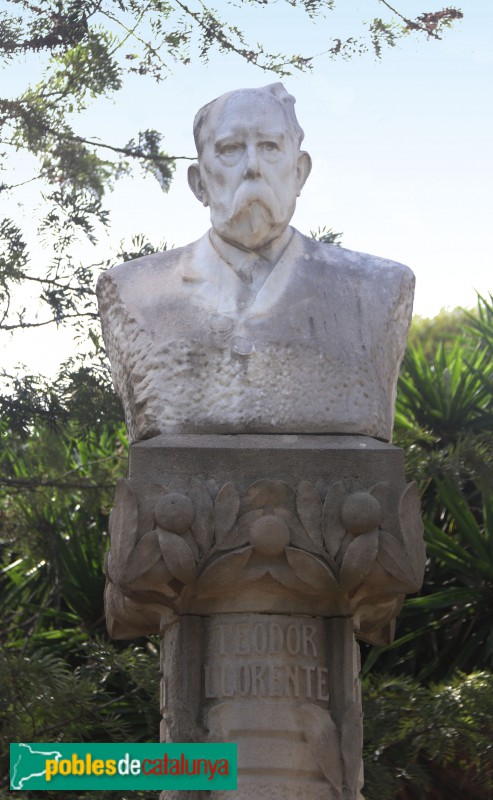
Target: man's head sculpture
{"x": 254, "y": 328}
{"x": 250, "y": 168}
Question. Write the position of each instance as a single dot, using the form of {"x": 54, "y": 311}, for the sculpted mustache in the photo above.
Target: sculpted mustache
{"x": 245, "y": 196}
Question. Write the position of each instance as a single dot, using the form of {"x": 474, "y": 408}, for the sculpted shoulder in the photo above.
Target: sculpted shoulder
{"x": 357, "y": 265}
{"x": 143, "y": 275}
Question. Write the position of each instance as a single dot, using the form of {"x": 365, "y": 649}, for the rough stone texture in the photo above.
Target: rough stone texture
{"x": 255, "y": 558}
{"x": 245, "y": 458}
{"x": 284, "y": 688}
{"x": 327, "y": 330}
{"x": 270, "y": 524}
{"x": 254, "y": 328}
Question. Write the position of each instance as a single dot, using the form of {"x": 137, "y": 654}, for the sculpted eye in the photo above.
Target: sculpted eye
{"x": 269, "y": 147}
{"x": 230, "y": 149}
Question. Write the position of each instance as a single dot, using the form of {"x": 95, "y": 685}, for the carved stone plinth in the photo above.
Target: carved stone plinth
{"x": 256, "y": 557}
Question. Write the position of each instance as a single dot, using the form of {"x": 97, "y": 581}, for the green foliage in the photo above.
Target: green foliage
{"x": 437, "y": 736}
{"x": 448, "y": 395}
{"x": 62, "y": 680}
{"x": 444, "y": 421}
{"x": 383, "y": 33}
{"x": 326, "y": 235}
{"x": 462, "y": 551}
{"x": 481, "y": 324}
{"x": 443, "y": 329}
{"x": 96, "y": 692}
{"x": 87, "y": 69}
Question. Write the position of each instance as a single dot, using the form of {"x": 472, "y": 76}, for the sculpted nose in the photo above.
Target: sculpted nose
{"x": 252, "y": 166}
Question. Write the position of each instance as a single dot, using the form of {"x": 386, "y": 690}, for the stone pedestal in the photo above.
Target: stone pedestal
{"x": 257, "y": 558}
{"x": 282, "y": 687}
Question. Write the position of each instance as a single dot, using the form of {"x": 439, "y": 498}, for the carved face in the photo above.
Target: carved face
{"x": 250, "y": 170}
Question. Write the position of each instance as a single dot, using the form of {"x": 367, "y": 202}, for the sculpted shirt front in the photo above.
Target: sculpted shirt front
{"x": 304, "y": 338}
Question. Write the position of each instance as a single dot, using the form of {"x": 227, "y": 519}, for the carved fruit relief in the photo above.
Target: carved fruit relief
{"x": 352, "y": 547}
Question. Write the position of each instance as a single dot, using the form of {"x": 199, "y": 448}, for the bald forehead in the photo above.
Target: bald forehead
{"x": 244, "y": 104}
{"x": 241, "y": 108}
{"x": 243, "y": 111}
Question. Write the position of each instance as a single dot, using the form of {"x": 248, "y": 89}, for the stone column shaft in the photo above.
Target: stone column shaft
{"x": 258, "y": 559}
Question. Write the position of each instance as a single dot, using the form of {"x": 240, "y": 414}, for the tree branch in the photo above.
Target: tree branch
{"x": 17, "y": 483}
{"x": 427, "y": 22}
{"x": 5, "y": 188}
{"x": 220, "y": 37}
{"x": 132, "y": 32}
{"x": 125, "y": 150}
{"x": 25, "y": 325}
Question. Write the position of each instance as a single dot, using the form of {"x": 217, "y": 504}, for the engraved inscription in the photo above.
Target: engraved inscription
{"x": 262, "y": 638}
{"x": 257, "y": 680}
{"x": 265, "y": 659}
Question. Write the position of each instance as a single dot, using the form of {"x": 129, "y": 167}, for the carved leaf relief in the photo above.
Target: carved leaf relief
{"x": 223, "y": 573}
{"x": 156, "y": 579}
{"x": 358, "y": 561}
{"x": 177, "y": 556}
{"x": 309, "y": 507}
{"x": 285, "y": 575}
{"x": 144, "y": 555}
{"x": 239, "y": 536}
{"x": 124, "y": 618}
{"x": 203, "y": 525}
{"x": 149, "y": 494}
{"x": 333, "y": 529}
{"x": 376, "y": 621}
{"x": 226, "y": 509}
{"x": 312, "y": 571}
{"x": 393, "y": 557}
{"x": 332, "y": 549}
{"x": 298, "y": 535}
{"x": 267, "y": 493}
{"x": 174, "y": 512}
{"x": 380, "y": 492}
{"x": 120, "y": 616}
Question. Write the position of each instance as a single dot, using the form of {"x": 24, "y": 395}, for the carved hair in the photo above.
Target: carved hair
{"x": 275, "y": 91}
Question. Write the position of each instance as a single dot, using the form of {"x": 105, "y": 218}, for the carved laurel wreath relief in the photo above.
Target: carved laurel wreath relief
{"x": 354, "y": 548}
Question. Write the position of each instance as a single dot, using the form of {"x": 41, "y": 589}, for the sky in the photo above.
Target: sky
{"x": 401, "y": 149}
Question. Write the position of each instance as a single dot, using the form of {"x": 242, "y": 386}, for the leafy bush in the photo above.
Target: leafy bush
{"x": 429, "y": 742}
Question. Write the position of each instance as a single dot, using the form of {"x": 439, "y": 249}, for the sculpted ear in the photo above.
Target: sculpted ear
{"x": 303, "y": 169}
{"x": 195, "y": 183}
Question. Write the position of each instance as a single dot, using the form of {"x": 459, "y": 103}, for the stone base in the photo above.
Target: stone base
{"x": 244, "y": 459}
{"x": 284, "y": 688}
{"x": 257, "y": 558}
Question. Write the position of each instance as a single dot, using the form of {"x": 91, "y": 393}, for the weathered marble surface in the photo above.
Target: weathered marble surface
{"x": 283, "y": 687}
{"x": 256, "y": 558}
{"x": 254, "y": 328}
{"x": 322, "y": 342}
{"x": 263, "y": 524}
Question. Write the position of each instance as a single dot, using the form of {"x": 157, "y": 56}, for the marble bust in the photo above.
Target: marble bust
{"x": 255, "y": 328}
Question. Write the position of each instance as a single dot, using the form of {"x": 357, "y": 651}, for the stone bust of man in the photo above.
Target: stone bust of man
{"x": 255, "y": 328}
